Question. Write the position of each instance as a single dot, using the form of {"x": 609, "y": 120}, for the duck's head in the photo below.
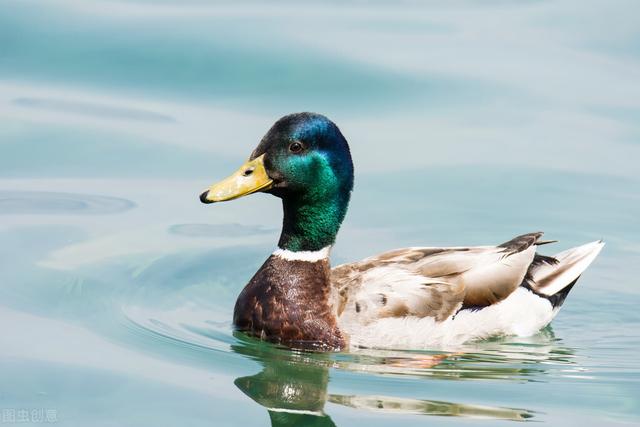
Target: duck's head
{"x": 305, "y": 160}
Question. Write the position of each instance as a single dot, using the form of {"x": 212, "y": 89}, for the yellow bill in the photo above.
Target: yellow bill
{"x": 251, "y": 177}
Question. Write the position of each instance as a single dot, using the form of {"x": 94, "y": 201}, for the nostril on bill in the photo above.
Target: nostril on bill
{"x": 248, "y": 172}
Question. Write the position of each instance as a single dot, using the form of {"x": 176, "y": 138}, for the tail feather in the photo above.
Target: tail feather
{"x": 552, "y": 278}
{"x": 558, "y": 298}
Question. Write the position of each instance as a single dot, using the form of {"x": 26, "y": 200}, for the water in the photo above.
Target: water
{"x": 468, "y": 124}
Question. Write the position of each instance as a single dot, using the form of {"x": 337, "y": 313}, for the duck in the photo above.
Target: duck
{"x": 409, "y": 298}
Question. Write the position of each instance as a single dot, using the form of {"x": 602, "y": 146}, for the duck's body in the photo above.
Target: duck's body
{"x": 406, "y": 298}
{"x": 437, "y": 297}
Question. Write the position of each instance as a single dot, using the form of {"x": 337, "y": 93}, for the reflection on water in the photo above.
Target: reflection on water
{"x": 430, "y": 407}
{"x": 293, "y": 387}
{"x": 292, "y": 390}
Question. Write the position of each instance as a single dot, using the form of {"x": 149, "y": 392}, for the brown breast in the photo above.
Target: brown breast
{"x": 287, "y": 302}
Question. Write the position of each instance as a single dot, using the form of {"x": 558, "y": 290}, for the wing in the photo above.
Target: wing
{"x": 434, "y": 282}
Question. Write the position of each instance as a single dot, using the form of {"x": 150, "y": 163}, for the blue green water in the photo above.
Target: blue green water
{"x": 469, "y": 123}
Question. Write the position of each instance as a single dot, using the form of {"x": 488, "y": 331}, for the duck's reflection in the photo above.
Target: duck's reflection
{"x": 429, "y": 407}
{"x": 292, "y": 386}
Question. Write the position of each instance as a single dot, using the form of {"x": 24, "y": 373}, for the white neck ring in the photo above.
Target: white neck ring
{"x": 308, "y": 256}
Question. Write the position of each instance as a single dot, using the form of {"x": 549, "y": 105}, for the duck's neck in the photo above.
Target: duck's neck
{"x": 311, "y": 225}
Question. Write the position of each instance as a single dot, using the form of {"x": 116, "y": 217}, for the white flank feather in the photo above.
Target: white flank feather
{"x": 522, "y": 313}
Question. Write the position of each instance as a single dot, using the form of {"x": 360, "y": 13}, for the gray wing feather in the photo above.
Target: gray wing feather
{"x": 434, "y": 282}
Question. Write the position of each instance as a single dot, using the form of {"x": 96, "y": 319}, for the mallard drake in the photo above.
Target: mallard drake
{"x": 415, "y": 298}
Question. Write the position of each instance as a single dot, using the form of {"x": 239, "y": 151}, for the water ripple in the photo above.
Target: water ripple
{"x": 218, "y": 230}
{"x": 92, "y": 109}
{"x": 51, "y": 203}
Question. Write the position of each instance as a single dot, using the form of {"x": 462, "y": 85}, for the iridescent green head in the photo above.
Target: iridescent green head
{"x": 304, "y": 160}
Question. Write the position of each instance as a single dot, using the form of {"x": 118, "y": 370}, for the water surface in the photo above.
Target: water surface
{"x": 468, "y": 124}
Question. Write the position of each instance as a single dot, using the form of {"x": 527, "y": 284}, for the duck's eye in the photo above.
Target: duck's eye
{"x": 295, "y": 147}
